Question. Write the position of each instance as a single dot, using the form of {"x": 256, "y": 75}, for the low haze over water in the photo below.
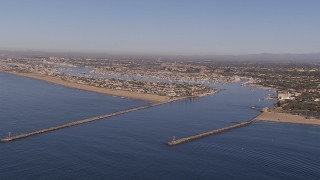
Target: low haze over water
{"x": 133, "y": 145}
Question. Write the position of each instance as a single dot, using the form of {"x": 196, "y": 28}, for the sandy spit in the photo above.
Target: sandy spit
{"x": 120, "y": 93}
{"x": 286, "y": 118}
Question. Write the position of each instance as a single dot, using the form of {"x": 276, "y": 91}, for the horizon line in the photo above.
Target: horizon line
{"x": 89, "y": 52}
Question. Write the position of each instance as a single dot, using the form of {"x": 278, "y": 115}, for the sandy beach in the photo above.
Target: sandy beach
{"x": 286, "y": 118}
{"x": 120, "y": 93}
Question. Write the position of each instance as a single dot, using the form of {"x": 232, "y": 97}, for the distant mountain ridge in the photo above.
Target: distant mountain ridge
{"x": 268, "y": 57}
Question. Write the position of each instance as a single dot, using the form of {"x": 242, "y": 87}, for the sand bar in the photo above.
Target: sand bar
{"x": 120, "y": 93}
{"x": 286, "y": 118}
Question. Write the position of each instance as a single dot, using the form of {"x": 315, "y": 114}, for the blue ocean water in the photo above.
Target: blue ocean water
{"x": 133, "y": 145}
{"x": 27, "y": 104}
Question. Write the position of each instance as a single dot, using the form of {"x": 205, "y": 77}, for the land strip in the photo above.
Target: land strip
{"x": 121, "y": 93}
{"x": 265, "y": 116}
{"x": 175, "y": 142}
{"x": 286, "y": 118}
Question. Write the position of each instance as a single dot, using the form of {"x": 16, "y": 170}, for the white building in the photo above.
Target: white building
{"x": 285, "y": 95}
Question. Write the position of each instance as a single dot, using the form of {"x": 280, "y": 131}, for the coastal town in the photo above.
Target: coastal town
{"x": 55, "y": 67}
{"x": 297, "y": 84}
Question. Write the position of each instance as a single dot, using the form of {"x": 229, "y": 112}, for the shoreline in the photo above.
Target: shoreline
{"x": 258, "y": 86}
{"x": 120, "y": 93}
{"x": 286, "y": 118}
{"x": 264, "y": 116}
{"x": 280, "y": 117}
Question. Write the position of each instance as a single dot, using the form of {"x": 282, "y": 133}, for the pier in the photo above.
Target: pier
{"x": 175, "y": 142}
{"x": 21, "y": 136}
{"x": 83, "y": 121}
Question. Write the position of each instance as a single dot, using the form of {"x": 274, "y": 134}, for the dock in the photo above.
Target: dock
{"x": 175, "y": 142}
{"x": 83, "y": 121}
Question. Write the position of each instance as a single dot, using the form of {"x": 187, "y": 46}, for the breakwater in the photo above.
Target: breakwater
{"x": 21, "y": 136}
{"x": 213, "y": 132}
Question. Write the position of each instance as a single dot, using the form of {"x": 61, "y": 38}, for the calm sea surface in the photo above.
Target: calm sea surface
{"x": 133, "y": 146}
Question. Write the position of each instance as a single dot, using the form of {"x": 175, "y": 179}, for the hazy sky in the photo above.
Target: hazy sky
{"x": 162, "y": 26}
